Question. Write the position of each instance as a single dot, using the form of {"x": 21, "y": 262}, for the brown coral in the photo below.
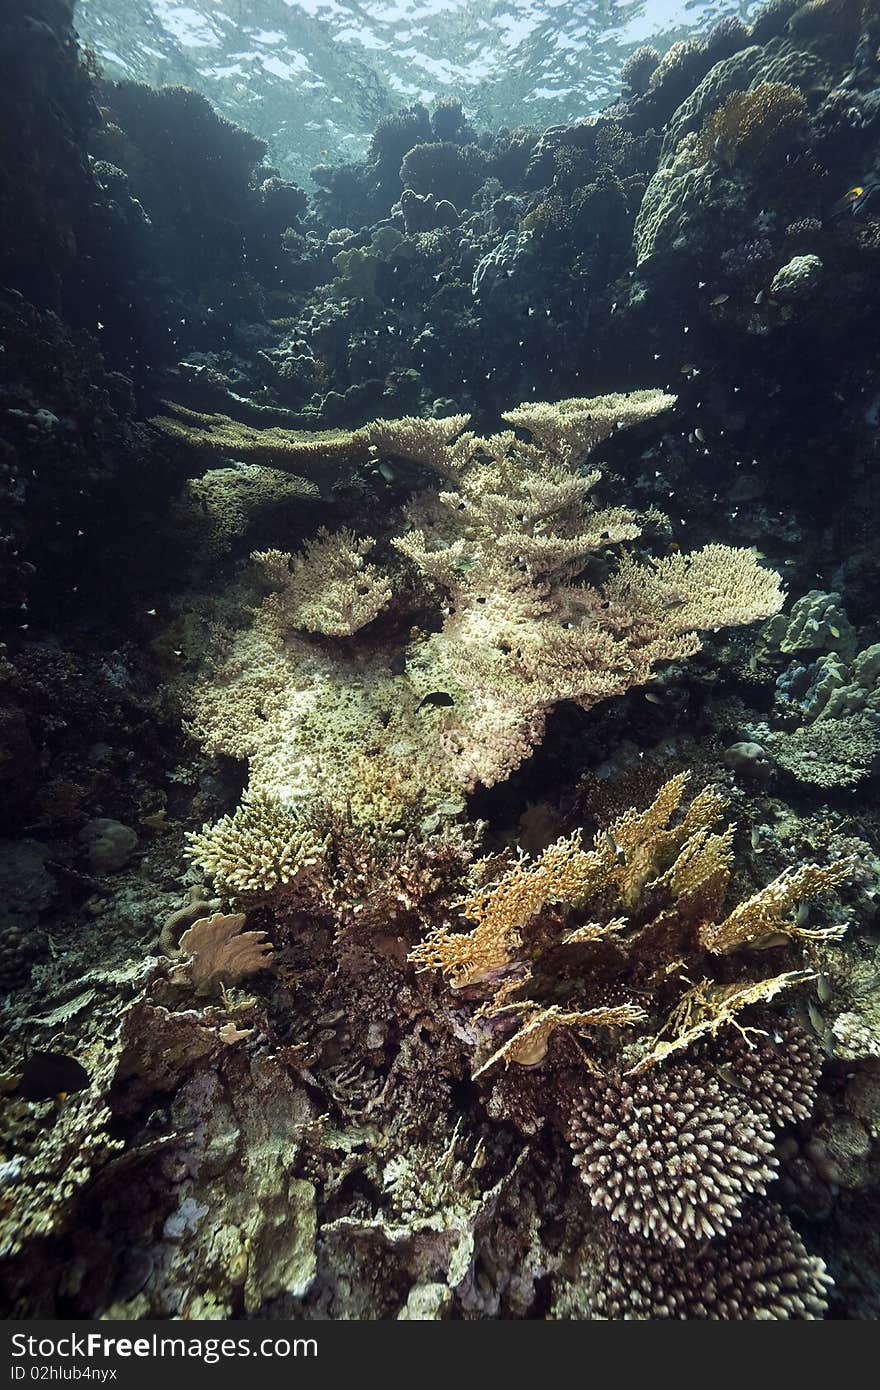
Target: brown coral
{"x": 762, "y": 1270}
{"x": 670, "y": 1157}
{"x": 752, "y": 125}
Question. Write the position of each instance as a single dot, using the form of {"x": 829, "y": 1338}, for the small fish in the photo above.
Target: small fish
{"x": 698, "y": 433}
{"x": 617, "y": 850}
{"x": 824, "y": 989}
{"x": 771, "y": 941}
{"x": 730, "y": 1078}
{"x": 436, "y": 697}
{"x": 719, "y": 299}
{"x": 387, "y": 472}
{"x": 835, "y": 631}
{"x": 46, "y": 1075}
{"x": 654, "y": 699}
{"x": 817, "y": 1019}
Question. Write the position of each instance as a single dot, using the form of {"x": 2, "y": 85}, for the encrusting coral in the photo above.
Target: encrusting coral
{"x": 515, "y": 560}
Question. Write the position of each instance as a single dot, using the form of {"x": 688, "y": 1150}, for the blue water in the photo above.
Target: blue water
{"x": 313, "y": 76}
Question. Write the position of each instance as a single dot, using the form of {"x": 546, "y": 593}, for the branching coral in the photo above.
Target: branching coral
{"x": 760, "y": 1271}
{"x": 330, "y": 589}
{"x": 259, "y": 847}
{"x": 671, "y": 1157}
{"x": 770, "y": 910}
{"x": 515, "y": 555}
{"x": 668, "y": 870}
{"x": 752, "y": 124}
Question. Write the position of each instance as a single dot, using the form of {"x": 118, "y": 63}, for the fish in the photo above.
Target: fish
{"x": 47, "y": 1075}
{"x": 617, "y": 850}
{"x": 729, "y": 1077}
{"x": 817, "y": 1019}
{"x": 439, "y": 698}
{"x": 857, "y": 198}
{"x": 719, "y": 299}
{"x": 824, "y": 989}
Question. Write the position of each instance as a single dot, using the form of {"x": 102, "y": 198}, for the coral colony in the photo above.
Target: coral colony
{"x": 439, "y": 836}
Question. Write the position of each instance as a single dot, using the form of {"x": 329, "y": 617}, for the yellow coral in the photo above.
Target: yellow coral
{"x": 259, "y": 847}
{"x": 521, "y": 629}
{"x": 766, "y": 913}
{"x": 751, "y": 123}
{"x": 330, "y": 589}
{"x": 669, "y": 869}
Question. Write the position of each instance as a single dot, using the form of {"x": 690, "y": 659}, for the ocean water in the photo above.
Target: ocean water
{"x": 440, "y": 662}
{"x": 313, "y": 78}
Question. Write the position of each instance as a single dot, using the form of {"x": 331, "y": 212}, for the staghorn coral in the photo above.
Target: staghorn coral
{"x": 441, "y": 712}
{"x": 670, "y": 1156}
{"x": 259, "y": 847}
{"x": 752, "y": 125}
{"x": 760, "y": 1271}
{"x": 330, "y": 589}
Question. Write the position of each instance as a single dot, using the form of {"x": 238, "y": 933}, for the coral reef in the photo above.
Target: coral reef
{"x": 365, "y": 952}
{"x": 500, "y": 554}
